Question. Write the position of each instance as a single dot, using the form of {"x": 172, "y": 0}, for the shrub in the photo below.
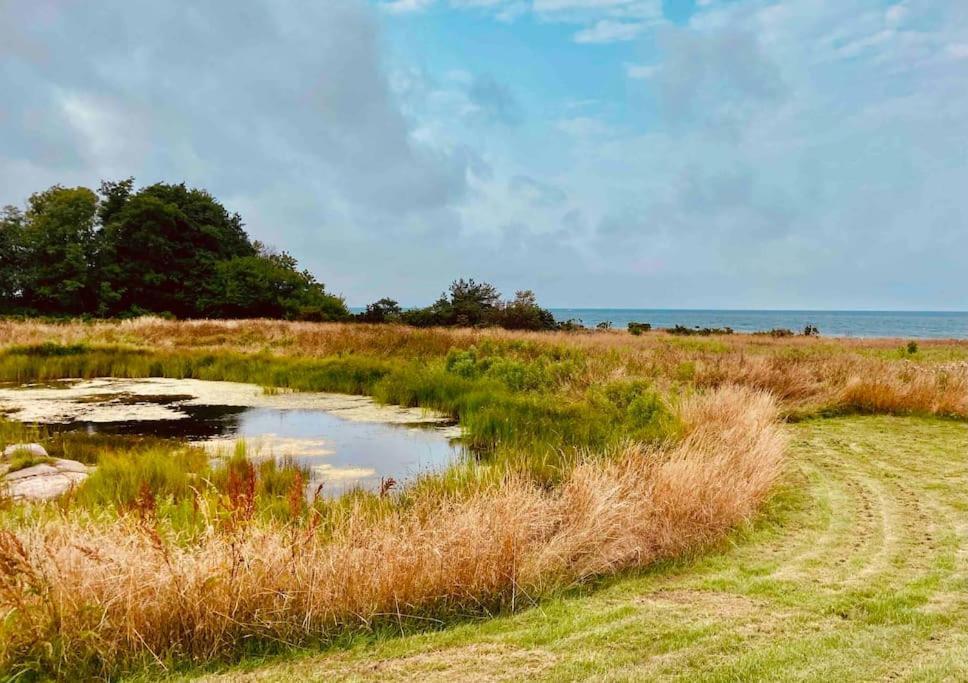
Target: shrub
{"x": 777, "y": 332}
{"x": 639, "y": 328}
{"x": 385, "y": 310}
{"x": 700, "y": 331}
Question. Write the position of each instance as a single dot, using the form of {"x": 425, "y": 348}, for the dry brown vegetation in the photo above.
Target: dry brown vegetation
{"x": 806, "y": 374}
{"x": 88, "y": 597}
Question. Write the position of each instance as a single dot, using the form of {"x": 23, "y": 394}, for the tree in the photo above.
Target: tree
{"x": 213, "y": 227}
{"x": 161, "y": 247}
{"x": 57, "y": 261}
{"x": 383, "y": 311}
{"x": 269, "y": 286}
{"x": 438, "y": 313}
{"x": 524, "y": 313}
{"x": 11, "y": 256}
{"x": 472, "y": 302}
{"x": 114, "y": 195}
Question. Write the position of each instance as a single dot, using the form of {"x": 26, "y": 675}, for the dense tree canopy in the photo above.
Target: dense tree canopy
{"x": 57, "y": 240}
{"x": 161, "y": 249}
{"x": 175, "y": 250}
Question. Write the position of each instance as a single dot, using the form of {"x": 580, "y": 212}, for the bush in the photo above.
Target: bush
{"x": 681, "y": 330}
{"x": 386, "y": 310}
{"x": 639, "y": 328}
{"x": 474, "y": 304}
{"x": 776, "y": 332}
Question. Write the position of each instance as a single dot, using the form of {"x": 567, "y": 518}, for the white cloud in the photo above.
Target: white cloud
{"x": 784, "y": 154}
{"x": 405, "y": 6}
{"x": 895, "y": 14}
{"x": 583, "y": 126}
{"x": 642, "y": 72}
{"x": 957, "y": 50}
{"x": 607, "y": 31}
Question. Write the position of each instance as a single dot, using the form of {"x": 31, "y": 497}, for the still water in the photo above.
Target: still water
{"x": 344, "y": 441}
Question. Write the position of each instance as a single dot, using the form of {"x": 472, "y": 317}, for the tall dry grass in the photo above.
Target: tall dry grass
{"x": 89, "y": 598}
{"x": 807, "y": 374}
{"x": 939, "y": 390}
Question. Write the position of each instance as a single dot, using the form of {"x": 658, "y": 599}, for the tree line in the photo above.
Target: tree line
{"x": 173, "y": 250}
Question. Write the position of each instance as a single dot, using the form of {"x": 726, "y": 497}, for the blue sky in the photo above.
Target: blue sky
{"x": 636, "y": 153}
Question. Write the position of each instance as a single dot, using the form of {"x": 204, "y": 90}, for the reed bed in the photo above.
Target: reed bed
{"x": 85, "y": 597}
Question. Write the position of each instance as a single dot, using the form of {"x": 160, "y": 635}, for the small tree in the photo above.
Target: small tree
{"x": 524, "y": 313}
{"x": 383, "y": 311}
{"x": 472, "y": 302}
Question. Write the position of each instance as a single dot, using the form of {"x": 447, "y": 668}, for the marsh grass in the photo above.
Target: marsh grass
{"x": 809, "y": 374}
{"x": 89, "y": 597}
{"x": 598, "y": 453}
{"x": 507, "y": 406}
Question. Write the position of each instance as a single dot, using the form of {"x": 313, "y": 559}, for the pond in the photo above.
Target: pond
{"x": 344, "y": 441}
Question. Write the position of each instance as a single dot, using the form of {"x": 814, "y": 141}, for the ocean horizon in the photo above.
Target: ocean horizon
{"x": 846, "y": 323}
{"x": 903, "y": 324}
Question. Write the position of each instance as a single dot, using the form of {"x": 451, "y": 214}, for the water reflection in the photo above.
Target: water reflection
{"x": 339, "y": 451}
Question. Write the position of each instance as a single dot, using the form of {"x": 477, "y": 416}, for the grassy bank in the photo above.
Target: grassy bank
{"x": 856, "y": 571}
{"x": 88, "y": 596}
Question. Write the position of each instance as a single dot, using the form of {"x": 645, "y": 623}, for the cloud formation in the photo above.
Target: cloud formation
{"x": 749, "y": 153}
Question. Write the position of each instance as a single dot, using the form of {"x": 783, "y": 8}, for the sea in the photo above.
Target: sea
{"x": 903, "y": 324}
{"x": 900, "y": 324}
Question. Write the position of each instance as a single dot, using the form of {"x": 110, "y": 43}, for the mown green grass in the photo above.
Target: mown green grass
{"x": 857, "y": 571}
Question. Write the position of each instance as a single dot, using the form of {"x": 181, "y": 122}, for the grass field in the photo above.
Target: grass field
{"x": 857, "y": 571}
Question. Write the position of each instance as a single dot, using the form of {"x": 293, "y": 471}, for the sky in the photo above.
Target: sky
{"x": 603, "y": 153}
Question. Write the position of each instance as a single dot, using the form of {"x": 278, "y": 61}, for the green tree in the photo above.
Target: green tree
{"x": 162, "y": 246}
{"x": 11, "y": 256}
{"x": 269, "y": 286}
{"x": 114, "y": 195}
{"x": 524, "y": 313}
{"x": 57, "y": 266}
{"x": 472, "y": 303}
{"x": 385, "y": 310}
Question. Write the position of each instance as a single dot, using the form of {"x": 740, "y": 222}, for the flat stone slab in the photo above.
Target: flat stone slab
{"x": 44, "y": 482}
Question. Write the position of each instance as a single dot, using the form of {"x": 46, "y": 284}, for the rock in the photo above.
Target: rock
{"x": 34, "y": 449}
{"x": 71, "y": 466}
{"x": 35, "y": 471}
{"x": 44, "y": 482}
